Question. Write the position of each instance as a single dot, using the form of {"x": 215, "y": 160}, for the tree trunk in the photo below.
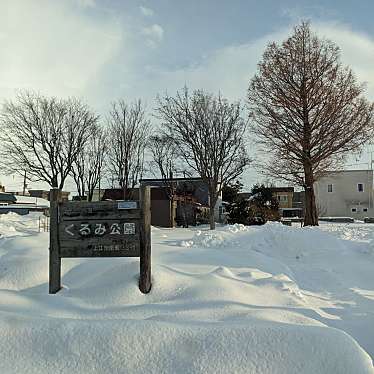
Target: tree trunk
{"x": 124, "y": 192}
{"x": 212, "y": 222}
{"x": 311, "y": 215}
{"x": 212, "y": 204}
{"x": 172, "y": 213}
{"x": 184, "y": 206}
{"x": 90, "y": 195}
{"x": 55, "y": 182}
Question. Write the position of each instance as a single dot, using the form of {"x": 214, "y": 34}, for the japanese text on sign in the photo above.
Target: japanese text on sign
{"x": 100, "y": 229}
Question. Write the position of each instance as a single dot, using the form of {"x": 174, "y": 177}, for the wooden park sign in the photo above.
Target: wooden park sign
{"x": 100, "y": 229}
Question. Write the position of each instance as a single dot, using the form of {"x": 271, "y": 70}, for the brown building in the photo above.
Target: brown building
{"x": 162, "y": 212}
{"x": 186, "y": 208}
{"x": 290, "y": 202}
{"x": 284, "y": 196}
{"x": 190, "y": 201}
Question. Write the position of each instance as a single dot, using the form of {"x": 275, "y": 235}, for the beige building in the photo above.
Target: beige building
{"x": 345, "y": 193}
{"x": 284, "y": 196}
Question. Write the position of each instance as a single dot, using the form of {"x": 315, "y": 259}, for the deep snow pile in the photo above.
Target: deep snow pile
{"x": 269, "y": 299}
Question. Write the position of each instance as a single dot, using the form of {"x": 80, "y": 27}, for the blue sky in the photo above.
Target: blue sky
{"x": 102, "y": 50}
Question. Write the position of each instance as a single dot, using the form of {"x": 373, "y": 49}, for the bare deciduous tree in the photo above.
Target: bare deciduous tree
{"x": 88, "y": 167}
{"x": 209, "y": 134}
{"x": 164, "y": 154}
{"x": 43, "y": 136}
{"x": 308, "y": 111}
{"x": 128, "y": 136}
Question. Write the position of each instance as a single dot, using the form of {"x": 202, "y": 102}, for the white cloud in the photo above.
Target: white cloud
{"x": 52, "y": 47}
{"x": 147, "y": 12}
{"x": 357, "y": 50}
{"x": 154, "y": 34}
{"x": 58, "y": 49}
{"x": 87, "y": 3}
{"x": 229, "y": 69}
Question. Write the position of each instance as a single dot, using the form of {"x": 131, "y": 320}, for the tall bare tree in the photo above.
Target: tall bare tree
{"x": 128, "y": 135}
{"x": 209, "y": 133}
{"x": 308, "y": 111}
{"x": 164, "y": 154}
{"x": 43, "y": 136}
{"x": 87, "y": 169}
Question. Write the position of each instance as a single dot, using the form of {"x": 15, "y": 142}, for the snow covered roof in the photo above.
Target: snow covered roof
{"x": 28, "y": 200}
{"x": 290, "y": 209}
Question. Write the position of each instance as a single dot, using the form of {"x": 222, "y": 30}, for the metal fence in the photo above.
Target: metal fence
{"x": 43, "y": 224}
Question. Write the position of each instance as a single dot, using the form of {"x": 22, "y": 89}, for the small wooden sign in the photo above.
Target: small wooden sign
{"x": 100, "y": 229}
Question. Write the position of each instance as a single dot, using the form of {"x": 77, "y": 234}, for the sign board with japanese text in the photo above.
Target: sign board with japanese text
{"x": 100, "y": 229}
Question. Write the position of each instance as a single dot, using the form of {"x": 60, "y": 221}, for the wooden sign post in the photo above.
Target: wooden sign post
{"x": 100, "y": 229}
{"x": 54, "y": 246}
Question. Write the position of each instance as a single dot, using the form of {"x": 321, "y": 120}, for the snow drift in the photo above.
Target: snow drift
{"x": 269, "y": 299}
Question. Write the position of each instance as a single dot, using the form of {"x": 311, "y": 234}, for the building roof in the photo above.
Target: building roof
{"x": 290, "y": 209}
{"x": 46, "y": 191}
{"x": 348, "y": 171}
{"x": 282, "y": 189}
{"x": 171, "y": 179}
{"x": 28, "y": 200}
{"x": 7, "y": 197}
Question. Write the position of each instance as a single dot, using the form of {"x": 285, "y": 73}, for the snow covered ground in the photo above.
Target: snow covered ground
{"x": 270, "y": 299}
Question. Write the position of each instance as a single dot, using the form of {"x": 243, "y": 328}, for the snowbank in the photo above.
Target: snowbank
{"x": 271, "y": 299}
{"x": 124, "y": 346}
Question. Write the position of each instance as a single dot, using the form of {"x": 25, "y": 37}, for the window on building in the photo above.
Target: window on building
{"x": 360, "y": 187}
{"x": 329, "y": 188}
{"x": 353, "y": 210}
{"x": 282, "y": 198}
{"x": 365, "y": 209}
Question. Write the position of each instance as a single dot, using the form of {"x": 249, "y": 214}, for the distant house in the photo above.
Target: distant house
{"x": 285, "y": 199}
{"x": 345, "y": 193}
{"x": 43, "y": 194}
{"x": 288, "y": 200}
{"x": 298, "y": 204}
{"x": 283, "y": 195}
{"x": 164, "y": 212}
{"x": 192, "y": 196}
{"x": 196, "y": 186}
{"x": 22, "y": 205}
{"x": 190, "y": 205}
{"x": 116, "y": 194}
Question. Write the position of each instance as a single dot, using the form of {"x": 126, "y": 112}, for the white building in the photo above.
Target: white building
{"x": 346, "y": 193}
